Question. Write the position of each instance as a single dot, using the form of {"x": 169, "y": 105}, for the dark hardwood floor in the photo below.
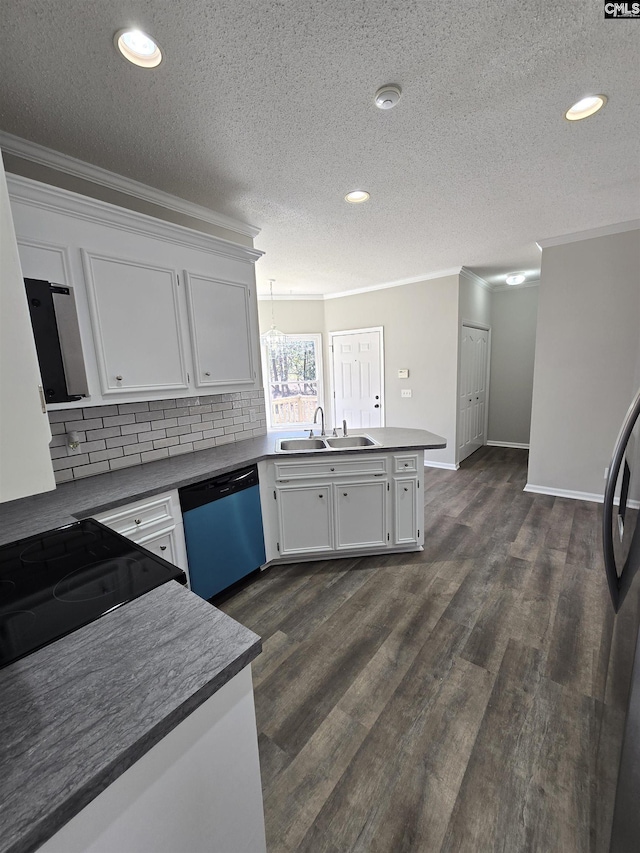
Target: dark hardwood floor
{"x": 447, "y": 700}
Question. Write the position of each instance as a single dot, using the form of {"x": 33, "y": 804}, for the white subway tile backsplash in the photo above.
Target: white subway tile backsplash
{"x": 90, "y": 470}
{"x": 121, "y": 435}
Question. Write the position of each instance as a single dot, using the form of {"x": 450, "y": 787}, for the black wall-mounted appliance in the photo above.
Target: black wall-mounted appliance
{"x": 57, "y": 335}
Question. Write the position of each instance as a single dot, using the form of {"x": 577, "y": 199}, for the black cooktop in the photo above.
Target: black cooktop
{"x": 58, "y": 581}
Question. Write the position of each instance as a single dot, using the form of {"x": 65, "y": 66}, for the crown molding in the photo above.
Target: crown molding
{"x": 512, "y": 288}
{"x": 290, "y": 297}
{"x": 43, "y": 196}
{"x": 604, "y": 231}
{"x": 35, "y": 153}
{"x": 399, "y": 283}
{"x": 475, "y": 278}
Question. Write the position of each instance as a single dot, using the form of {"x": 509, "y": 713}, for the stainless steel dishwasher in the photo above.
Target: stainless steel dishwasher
{"x": 223, "y": 530}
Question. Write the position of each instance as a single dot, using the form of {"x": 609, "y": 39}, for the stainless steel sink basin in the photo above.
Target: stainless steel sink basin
{"x": 347, "y": 441}
{"x": 309, "y": 445}
{"x": 301, "y": 444}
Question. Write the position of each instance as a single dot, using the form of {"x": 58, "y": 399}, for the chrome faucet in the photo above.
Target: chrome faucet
{"x": 344, "y": 427}
{"x": 315, "y": 419}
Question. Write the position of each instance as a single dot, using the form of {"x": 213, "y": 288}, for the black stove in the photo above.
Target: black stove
{"x": 56, "y": 582}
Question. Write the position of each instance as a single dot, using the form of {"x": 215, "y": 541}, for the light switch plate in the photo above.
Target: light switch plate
{"x": 406, "y": 392}
{"x": 403, "y": 373}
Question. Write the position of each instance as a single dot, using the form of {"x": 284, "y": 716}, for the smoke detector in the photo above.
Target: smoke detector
{"x": 388, "y": 96}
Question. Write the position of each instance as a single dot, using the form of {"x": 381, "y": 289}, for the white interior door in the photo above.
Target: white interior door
{"x": 472, "y": 397}
{"x": 357, "y": 359}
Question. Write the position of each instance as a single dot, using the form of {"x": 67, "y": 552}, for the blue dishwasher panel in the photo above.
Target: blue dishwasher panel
{"x": 224, "y": 541}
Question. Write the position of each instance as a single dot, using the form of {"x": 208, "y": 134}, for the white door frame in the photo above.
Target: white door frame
{"x": 471, "y": 324}
{"x": 332, "y": 389}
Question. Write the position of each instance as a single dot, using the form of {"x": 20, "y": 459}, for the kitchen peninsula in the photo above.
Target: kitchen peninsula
{"x": 126, "y": 712}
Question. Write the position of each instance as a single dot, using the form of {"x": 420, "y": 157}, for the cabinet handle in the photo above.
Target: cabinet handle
{"x": 207, "y": 373}
{"x": 137, "y": 520}
{"x": 119, "y": 378}
{"x": 332, "y": 469}
{"x": 406, "y": 488}
{"x": 163, "y": 547}
{"x": 346, "y": 494}
{"x": 406, "y": 464}
{"x": 320, "y": 496}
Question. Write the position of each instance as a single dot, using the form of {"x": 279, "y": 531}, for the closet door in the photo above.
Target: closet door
{"x": 220, "y": 331}
{"x": 135, "y": 314}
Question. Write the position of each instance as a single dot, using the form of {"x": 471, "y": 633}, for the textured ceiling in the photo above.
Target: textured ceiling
{"x": 263, "y": 110}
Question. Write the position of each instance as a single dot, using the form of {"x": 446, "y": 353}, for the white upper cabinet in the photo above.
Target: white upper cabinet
{"x": 135, "y": 317}
{"x": 220, "y": 325}
{"x": 135, "y": 314}
{"x": 25, "y": 462}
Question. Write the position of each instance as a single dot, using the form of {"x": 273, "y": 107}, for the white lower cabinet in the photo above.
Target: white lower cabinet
{"x": 155, "y": 523}
{"x": 323, "y": 505}
{"x": 405, "y": 511}
{"x": 305, "y": 519}
{"x": 361, "y": 515}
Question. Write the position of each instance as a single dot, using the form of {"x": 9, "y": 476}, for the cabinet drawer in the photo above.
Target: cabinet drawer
{"x": 404, "y": 464}
{"x": 330, "y": 467}
{"x": 159, "y": 512}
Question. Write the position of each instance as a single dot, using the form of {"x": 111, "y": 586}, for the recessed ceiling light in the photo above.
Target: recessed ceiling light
{"x": 138, "y": 48}
{"x": 586, "y": 107}
{"x": 357, "y": 197}
{"x": 515, "y": 278}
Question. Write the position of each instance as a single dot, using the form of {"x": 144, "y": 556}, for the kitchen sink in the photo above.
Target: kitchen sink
{"x": 306, "y": 445}
{"x": 295, "y": 445}
{"x": 350, "y": 441}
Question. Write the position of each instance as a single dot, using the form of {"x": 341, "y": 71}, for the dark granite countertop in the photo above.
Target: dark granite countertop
{"x": 82, "y": 498}
{"x": 79, "y": 712}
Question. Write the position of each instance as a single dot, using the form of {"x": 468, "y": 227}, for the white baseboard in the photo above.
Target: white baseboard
{"x": 564, "y": 493}
{"x": 508, "y": 444}
{"x": 450, "y": 466}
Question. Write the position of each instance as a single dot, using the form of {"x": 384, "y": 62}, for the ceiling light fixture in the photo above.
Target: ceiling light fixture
{"x": 138, "y": 48}
{"x": 388, "y": 96}
{"x": 586, "y": 107}
{"x": 357, "y": 196}
{"x": 515, "y": 278}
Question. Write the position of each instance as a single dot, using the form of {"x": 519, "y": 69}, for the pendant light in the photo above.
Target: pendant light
{"x": 274, "y": 337}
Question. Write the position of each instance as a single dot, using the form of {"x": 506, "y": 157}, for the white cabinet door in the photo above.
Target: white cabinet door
{"x": 305, "y": 519}
{"x": 25, "y": 461}
{"x": 220, "y": 331}
{"x": 135, "y": 315}
{"x": 361, "y": 515}
{"x": 166, "y": 544}
{"x": 405, "y": 510}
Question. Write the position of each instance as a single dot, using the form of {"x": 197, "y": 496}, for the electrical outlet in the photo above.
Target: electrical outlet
{"x": 406, "y": 392}
{"x": 252, "y": 416}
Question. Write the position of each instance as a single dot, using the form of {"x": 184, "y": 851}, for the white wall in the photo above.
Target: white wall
{"x": 420, "y": 333}
{"x": 586, "y": 353}
{"x": 293, "y": 316}
{"x": 475, "y": 302}
{"x": 514, "y": 314}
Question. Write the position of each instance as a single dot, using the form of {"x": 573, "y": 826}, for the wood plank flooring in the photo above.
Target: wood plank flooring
{"x": 455, "y": 699}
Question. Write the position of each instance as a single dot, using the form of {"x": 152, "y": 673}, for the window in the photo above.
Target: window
{"x": 292, "y": 370}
